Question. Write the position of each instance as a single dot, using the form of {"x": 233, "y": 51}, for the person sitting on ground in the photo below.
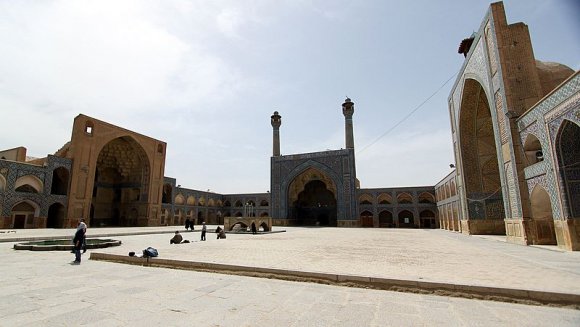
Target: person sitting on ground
{"x": 177, "y": 238}
{"x": 221, "y": 233}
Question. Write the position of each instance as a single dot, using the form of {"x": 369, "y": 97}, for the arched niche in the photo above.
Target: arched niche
{"x": 167, "y": 193}
{"x": 384, "y": 198}
{"x": 56, "y": 216}
{"x": 568, "y": 154}
{"x": 366, "y": 219}
{"x": 28, "y": 184}
{"x": 404, "y": 198}
{"x": 365, "y": 199}
{"x": 311, "y": 198}
{"x": 60, "y": 180}
{"x": 386, "y": 219}
{"x": 542, "y": 216}
{"x": 426, "y": 197}
{"x": 479, "y": 158}
{"x": 406, "y": 219}
{"x": 23, "y": 214}
{"x": 533, "y": 150}
{"x": 121, "y": 178}
{"x": 179, "y": 199}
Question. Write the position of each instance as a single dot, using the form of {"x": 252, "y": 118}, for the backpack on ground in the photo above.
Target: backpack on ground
{"x": 150, "y": 252}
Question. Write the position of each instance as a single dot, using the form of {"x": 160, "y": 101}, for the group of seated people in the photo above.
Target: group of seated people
{"x": 178, "y": 239}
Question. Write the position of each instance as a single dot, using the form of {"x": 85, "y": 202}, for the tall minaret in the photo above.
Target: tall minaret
{"x": 276, "y": 122}
{"x": 347, "y": 111}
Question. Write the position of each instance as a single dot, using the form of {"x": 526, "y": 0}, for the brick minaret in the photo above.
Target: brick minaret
{"x": 348, "y": 111}
{"x": 276, "y": 122}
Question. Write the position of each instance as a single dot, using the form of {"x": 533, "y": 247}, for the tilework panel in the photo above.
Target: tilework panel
{"x": 563, "y": 103}
{"x": 338, "y": 165}
{"x": 537, "y": 169}
{"x": 14, "y": 170}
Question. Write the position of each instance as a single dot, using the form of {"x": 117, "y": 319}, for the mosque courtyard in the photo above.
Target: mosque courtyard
{"x": 42, "y": 288}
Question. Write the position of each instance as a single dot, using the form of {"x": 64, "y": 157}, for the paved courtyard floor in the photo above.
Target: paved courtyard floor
{"x": 43, "y": 289}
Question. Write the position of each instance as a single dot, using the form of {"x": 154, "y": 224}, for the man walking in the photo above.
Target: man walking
{"x": 78, "y": 244}
{"x": 203, "y": 230}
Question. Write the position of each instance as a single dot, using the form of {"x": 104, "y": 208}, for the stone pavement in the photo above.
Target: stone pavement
{"x": 41, "y": 288}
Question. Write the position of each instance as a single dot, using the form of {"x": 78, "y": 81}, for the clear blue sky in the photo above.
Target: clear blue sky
{"x": 205, "y": 76}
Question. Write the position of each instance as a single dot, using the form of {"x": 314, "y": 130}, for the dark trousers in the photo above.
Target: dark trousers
{"x": 203, "y": 235}
{"x": 77, "y": 254}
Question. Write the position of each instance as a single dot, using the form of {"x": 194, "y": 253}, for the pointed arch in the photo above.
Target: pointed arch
{"x": 56, "y": 215}
{"x": 479, "y": 159}
{"x": 365, "y": 199}
{"x": 406, "y": 219}
{"x": 28, "y": 184}
{"x": 121, "y": 178}
{"x": 426, "y": 197}
{"x": 179, "y": 199}
{"x": 385, "y": 198}
{"x": 24, "y": 213}
{"x": 301, "y": 175}
{"x": 366, "y": 219}
{"x": 167, "y": 193}
{"x": 60, "y": 181}
{"x": 542, "y": 216}
{"x": 312, "y": 201}
{"x": 404, "y": 198}
{"x": 568, "y": 155}
{"x": 386, "y": 219}
{"x": 533, "y": 150}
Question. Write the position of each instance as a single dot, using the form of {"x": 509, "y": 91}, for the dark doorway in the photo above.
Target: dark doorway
{"x": 19, "y": 221}
{"x": 366, "y": 219}
{"x": 315, "y": 206}
{"x": 59, "y": 181}
{"x": 55, "y": 216}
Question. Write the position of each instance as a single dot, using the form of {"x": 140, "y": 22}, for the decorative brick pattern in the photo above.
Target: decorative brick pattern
{"x": 501, "y": 123}
{"x": 515, "y": 209}
{"x": 490, "y": 40}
